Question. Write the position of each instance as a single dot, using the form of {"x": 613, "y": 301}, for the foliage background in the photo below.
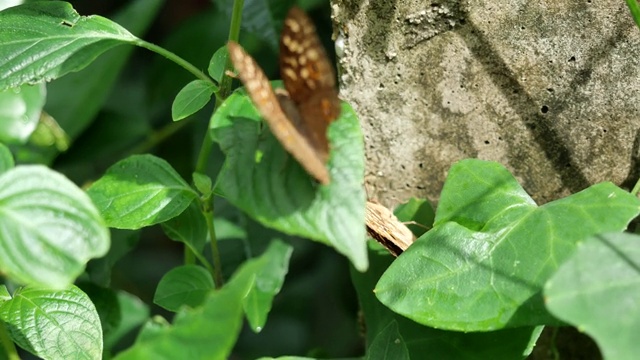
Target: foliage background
{"x": 317, "y": 307}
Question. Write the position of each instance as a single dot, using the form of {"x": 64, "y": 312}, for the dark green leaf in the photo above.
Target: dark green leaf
{"x": 133, "y": 313}
{"x": 193, "y": 97}
{"x": 207, "y": 332}
{"x": 50, "y": 39}
{"x": 54, "y": 324}
{"x": 185, "y": 285}
{"x": 122, "y": 241}
{"x": 139, "y": 191}
{"x": 6, "y": 159}
{"x": 189, "y": 228}
{"x": 263, "y": 180}
{"x": 388, "y": 344}
{"x": 270, "y": 269}
{"x": 419, "y": 211}
{"x": 597, "y": 290}
{"x": 20, "y": 109}
{"x": 49, "y": 228}
{"x": 483, "y": 264}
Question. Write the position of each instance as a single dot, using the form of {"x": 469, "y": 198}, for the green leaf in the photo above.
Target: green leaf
{"x": 203, "y": 183}
{"x": 6, "y": 159}
{"x": 75, "y": 99}
{"x": 419, "y": 211}
{"x": 439, "y": 344}
{"x": 106, "y": 303}
{"x": 20, "y": 109}
{"x": 226, "y": 229}
{"x": 218, "y": 63}
{"x": 54, "y": 324}
{"x": 269, "y": 269}
{"x": 484, "y": 263}
{"x": 139, "y": 191}
{"x": 597, "y": 290}
{"x": 207, "y": 332}
{"x": 50, "y": 39}
{"x": 193, "y": 97}
{"x": 122, "y": 241}
{"x": 263, "y": 180}
{"x": 133, "y": 313}
{"x": 49, "y": 228}
{"x": 184, "y": 285}
{"x": 388, "y": 344}
{"x": 189, "y": 228}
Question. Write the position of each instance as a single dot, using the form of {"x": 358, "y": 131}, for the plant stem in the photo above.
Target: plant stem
{"x": 635, "y": 10}
{"x": 636, "y": 188}
{"x": 7, "y": 344}
{"x": 207, "y": 145}
{"x": 176, "y": 59}
{"x": 159, "y": 136}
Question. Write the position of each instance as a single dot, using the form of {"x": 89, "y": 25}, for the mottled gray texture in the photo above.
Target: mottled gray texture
{"x": 549, "y": 89}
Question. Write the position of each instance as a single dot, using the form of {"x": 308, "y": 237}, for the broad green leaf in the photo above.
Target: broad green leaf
{"x": 597, "y": 290}
{"x": 263, "y": 180}
{"x": 226, "y": 229}
{"x": 184, "y": 285}
{"x": 106, "y": 303}
{"x": 139, "y": 191}
{"x": 388, "y": 344}
{"x": 6, "y": 159}
{"x": 20, "y": 109}
{"x": 133, "y": 313}
{"x": 4, "y": 293}
{"x": 50, "y": 39}
{"x": 270, "y": 269}
{"x": 193, "y": 97}
{"x": 75, "y": 99}
{"x": 122, "y": 241}
{"x": 484, "y": 263}
{"x": 218, "y": 63}
{"x": 207, "y": 332}
{"x": 49, "y": 228}
{"x": 54, "y": 324}
{"x": 439, "y": 344}
{"x": 189, "y": 228}
{"x": 419, "y": 211}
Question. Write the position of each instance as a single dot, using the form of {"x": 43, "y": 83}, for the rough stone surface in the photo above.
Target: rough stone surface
{"x": 549, "y": 89}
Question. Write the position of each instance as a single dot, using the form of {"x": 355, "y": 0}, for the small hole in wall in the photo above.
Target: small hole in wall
{"x": 402, "y": 167}
{"x": 486, "y": 142}
{"x": 544, "y": 109}
{"x": 462, "y": 21}
{"x": 420, "y": 165}
{"x": 604, "y": 130}
{"x": 571, "y": 59}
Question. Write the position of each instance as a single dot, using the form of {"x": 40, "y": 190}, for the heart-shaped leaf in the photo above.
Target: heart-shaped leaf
{"x": 185, "y": 285}
{"x": 483, "y": 265}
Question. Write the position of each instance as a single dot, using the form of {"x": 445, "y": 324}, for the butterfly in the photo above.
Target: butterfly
{"x": 300, "y": 116}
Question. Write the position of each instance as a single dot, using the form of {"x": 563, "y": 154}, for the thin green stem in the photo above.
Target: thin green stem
{"x": 636, "y": 188}
{"x": 159, "y": 136}
{"x": 635, "y": 10}
{"x": 7, "y": 344}
{"x": 176, "y": 59}
{"x": 215, "y": 252}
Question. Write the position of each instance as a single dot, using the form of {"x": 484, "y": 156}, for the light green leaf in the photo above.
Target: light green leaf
{"x": 6, "y": 159}
{"x": 388, "y": 344}
{"x": 218, "y": 63}
{"x": 191, "y": 98}
{"x": 54, "y": 324}
{"x": 439, "y": 344}
{"x": 203, "y": 183}
{"x": 207, "y": 332}
{"x": 483, "y": 265}
{"x": 20, "y": 109}
{"x": 269, "y": 269}
{"x": 226, "y": 229}
{"x": 263, "y": 180}
{"x": 189, "y": 228}
{"x": 139, "y": 191}
{"x": 597, "y": 290}
{"x": 50, "y": 39}
{"x": 184, "y": 285}
{"x": 49, "y": 228}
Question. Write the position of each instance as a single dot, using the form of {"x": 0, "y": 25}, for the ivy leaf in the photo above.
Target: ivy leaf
{"x": 483, "y": 265}
{"x": 388, "y": 344}
{"x": 54, "y": 324}
{"x": 139, "y": 191}
{"x": 184, "y": 285}
{"x": 263, "y": 180}
{"x": 597, "y": 290}
{"x": 49, "y": 228}
{"x": 191, "y": 98}
{"x": 50, "y": 39}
